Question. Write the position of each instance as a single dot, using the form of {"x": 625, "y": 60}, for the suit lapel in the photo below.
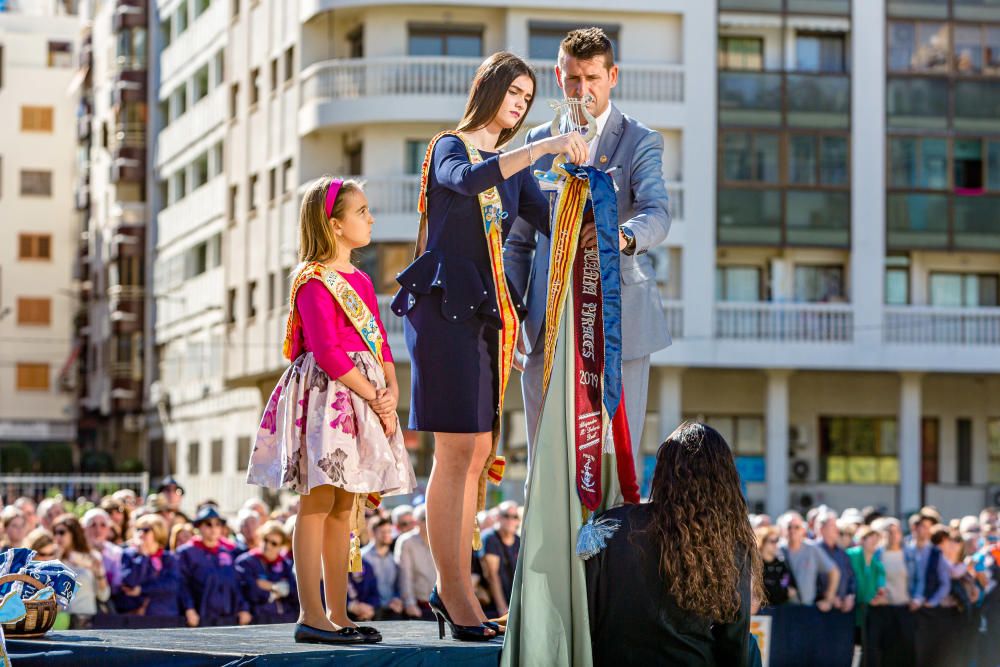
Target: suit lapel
{"x": 608, "y": 143}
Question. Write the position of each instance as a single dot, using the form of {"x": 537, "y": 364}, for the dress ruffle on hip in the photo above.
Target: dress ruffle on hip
{"x": 316, "y": 431}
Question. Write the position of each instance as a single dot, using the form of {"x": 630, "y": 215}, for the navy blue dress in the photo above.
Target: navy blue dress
{"x": 160, "y": 588}
{"x": 447, "y": 294}
{"x": 251, "y": 566}
{"x": 209, "y": 583}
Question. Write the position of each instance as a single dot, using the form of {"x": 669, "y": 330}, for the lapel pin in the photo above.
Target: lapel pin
{"x": 604, "y": 159}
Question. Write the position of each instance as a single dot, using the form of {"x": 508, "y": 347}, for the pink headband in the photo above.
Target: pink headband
{"x": 331, "y": 195}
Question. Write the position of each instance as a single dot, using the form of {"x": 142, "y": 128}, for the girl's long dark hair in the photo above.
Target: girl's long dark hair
{"x": 700, "y": 524}
{"x": 489, "y": 87}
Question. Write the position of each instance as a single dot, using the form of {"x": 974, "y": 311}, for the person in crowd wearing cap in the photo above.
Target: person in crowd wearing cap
{"x": 865, "y": 562}
{"x": 172, "y": 492}
{"x": 930, "y": 575}
{"x": 329, "y": 430}
{"x": 151, "y": 579}
{"x": 266, "y": 575}
{"x": 210, "y": 590}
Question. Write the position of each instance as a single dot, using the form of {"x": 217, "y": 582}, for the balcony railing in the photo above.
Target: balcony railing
{"x": 789, "y": 322}
{"x": 811, "y": 99}
{"x": 393, "y": 325}
{"x": 421, "y": 75}
{"x": 934, "y": 325}
{"x": 675, "y": 318}
{"x": 398, "y": 195}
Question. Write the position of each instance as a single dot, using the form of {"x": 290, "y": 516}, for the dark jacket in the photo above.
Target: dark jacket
{"x": 210, "y": 586}
{"x": 251, "y": 567}
{"x": 161, "y": 589}
{"x": 635, "y": 621}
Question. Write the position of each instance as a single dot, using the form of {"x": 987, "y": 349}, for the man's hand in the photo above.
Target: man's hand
{"x": 413, "y": 611}
{"x": 824, "y": 605}
{"x": 847, "y": 603}
{"x": 363, "y": 611}
{"x": 622, "y": 241}
{"x": 192, "y": 618}
{"x": 396, "y": 605}
{"x": 588, "y": 236}
{"x": 916, "y": 604}
{"x": 243, "y": 617}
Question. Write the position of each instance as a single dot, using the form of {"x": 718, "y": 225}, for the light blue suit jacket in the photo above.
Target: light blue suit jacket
{"x": 635, "y": 160}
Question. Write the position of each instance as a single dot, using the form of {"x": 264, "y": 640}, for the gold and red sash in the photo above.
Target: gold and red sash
{"x": 357, "y": 311}
{"x": 493, "y": 214}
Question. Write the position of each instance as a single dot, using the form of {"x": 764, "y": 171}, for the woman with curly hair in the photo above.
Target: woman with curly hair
{"x": 675, "y": 583}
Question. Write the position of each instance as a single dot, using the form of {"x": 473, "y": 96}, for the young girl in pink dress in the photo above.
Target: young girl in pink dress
{"x": 330, "y": 430}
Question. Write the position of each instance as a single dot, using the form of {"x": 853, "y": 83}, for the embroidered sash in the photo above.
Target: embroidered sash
{"x": 357, "y": 311}
{"x": 493, "y": 214}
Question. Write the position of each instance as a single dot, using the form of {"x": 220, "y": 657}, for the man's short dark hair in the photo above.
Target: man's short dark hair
{"x": 587, "y": 43}
{"x": 381, "y": 521}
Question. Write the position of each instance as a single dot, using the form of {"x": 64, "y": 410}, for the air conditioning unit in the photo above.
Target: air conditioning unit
{"x": 799, "y": 469}
{"x": 798, "y": 435}
{"x": 802, "y": 500}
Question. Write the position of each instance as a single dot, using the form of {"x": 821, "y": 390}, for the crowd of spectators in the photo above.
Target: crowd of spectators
{"x": 138, "y": 556}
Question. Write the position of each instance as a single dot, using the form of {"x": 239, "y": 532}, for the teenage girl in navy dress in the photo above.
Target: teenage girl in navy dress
{"x": 454, "y": 315}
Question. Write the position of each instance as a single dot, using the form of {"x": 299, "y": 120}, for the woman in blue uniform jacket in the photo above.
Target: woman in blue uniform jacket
{"x": 151, "y": 578}
{"x": 266, "y": 576}
{"x": 453, "y": 318}
{"x": 210, "y": 590}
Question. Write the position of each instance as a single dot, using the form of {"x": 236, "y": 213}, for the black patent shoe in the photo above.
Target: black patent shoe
{"x": 369, "y": 634}
{"x": 463, "y": 633}
{"x": 308, "y": 634}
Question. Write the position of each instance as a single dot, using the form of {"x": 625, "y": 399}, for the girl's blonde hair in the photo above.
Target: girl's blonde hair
{"x": 317, "y": 242}
{"x": 158, "y": 525}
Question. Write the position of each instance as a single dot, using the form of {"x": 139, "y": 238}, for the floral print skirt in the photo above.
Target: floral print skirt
{"x": 316, "y": 431}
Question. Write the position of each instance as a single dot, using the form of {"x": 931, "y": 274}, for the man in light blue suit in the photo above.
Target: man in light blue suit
{"x": 633, "y": 156}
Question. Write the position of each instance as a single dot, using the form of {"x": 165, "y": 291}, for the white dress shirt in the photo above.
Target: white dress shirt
{"x": 602, "y": 120}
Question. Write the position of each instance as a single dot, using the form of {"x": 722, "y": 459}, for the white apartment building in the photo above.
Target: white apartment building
{"x": 38, "y": 228}
{"x": 830, "y": 277}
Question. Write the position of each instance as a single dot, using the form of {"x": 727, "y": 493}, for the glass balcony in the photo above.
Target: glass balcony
{"x": 751, "y": 5}
{"x": 917, "y": 104}
{"x": 818, "y": 218}
{"x": 819, "y": 6}
{"x": 819, "y": 101}
{"x": 916, "y": 221}
{"x": 977, "y": 106}
{"x": 977, "y": 10}
{"x": 977, "y": 223}
{"x": 750, "y": 98}
{"x": 749, "y": 217}
{"x": 937, "y": 9}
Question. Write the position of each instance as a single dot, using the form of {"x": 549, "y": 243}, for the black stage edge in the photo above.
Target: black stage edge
{"x": 409, "y": 643}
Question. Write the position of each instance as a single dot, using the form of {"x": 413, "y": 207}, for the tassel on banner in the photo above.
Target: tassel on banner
{"x": 609, "y": 441}
{"x": 356, "y": 565}
{"x": 496, "y": 470}
{"x": 594, "y": 536}
{"x": 477, "y": 538}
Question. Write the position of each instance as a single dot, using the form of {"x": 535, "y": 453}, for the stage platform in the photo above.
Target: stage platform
{"x": 409, "y": 643}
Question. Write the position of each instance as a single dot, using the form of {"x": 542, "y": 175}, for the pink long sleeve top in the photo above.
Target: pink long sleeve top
{"x": 326, "y": 330}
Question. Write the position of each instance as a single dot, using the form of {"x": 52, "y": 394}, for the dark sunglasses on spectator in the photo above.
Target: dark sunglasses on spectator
{"x": 274, "y": 543}
{"x": 772, "y": 540}
{"x": 212, "y": 524}
{"x": 143, "y": 529}
{"x": 510, "y": 516}
{"x": 60, "y": 531}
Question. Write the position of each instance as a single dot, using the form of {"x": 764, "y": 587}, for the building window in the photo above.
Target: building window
{"x": 200, "y": 6}
{"x": 741, "y": 53}
{"x": 251, "y": 299}
{"x": 254, "y": 86}
{"x": 993, "y": 437}
{"x": 738, "y": 283}
{"x": 34, "y": 311}
{"x": 220, "y": 68}
{"x": 194, "y": 458}
{"x": 897, "y": 280}
{"x": 243, "y": 450}
{"x": 859, "y": 450}
{"x": 60, "y": 54}
{"x": 199, "y": 172}
{"x": 234, "y": 194}
{"x": 919, "y": 163}
{"x": 216, "y": 456}
{"x": 34, "y": 246}
{"x": 252, "y": 194}
{"x": 32, "y": 376}
{"x": 415, "y": 151}
{"x": 201, "y": 84}
{"x": 234, "y": 98}
{"x": 1, "y": 66}
{"x": 287, "y": 177}
{"x": 918, "y": 46}
{"x": 165, "y": 36}
{"x": 272, "y": 289}
{"x": 964, "y": 290}
{"x": 820, "y": 52}
{"x": 231, "y": 306}
{"x": 272, "y": 184}
{"x": 750, "y": 157}
{"x": 544, "y": 38}
{"x": 745, "y": 435}
{"x": 289, "y": 63}
{"x": 235, "y": 4}
{"x": 36, "y": 183}
{"x": 197, "y": 261}
{"x": 36, "y": 119}
{"x": 274, "y": 74}
{"x": 181, "y": 18}
{"x": 819, "y": 284}
{"x": 446, "y": 41}
{"x": 286, "y": 285}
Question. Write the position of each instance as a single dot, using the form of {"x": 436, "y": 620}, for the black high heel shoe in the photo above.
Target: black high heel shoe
{"x": 463, "y": 633}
